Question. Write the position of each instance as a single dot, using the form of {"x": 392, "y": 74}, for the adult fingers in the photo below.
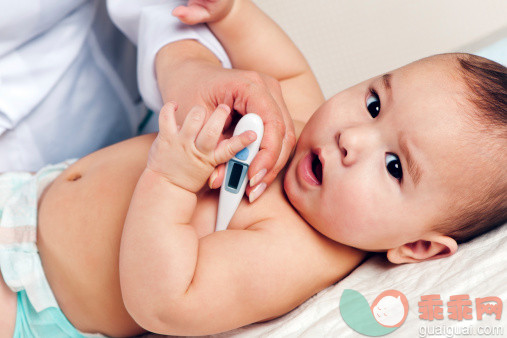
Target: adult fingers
{"x": 264, "y": 98}
{"x": 288, "y": 141}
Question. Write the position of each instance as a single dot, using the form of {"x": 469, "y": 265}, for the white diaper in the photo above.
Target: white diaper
{"x": 38, "y": 313}
{"x": 19, "y": 259}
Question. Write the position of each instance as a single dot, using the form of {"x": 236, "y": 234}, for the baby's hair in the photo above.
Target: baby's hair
{"x": 486, "y": 82}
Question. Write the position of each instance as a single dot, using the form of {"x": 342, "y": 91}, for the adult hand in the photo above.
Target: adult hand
{"x": 198, "y": 11}
{"x": 198, "y": 78}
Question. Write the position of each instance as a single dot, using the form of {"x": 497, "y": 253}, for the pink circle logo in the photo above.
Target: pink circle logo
{"x": 390, "y": 308}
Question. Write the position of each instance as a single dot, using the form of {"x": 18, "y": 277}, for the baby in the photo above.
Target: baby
{"x": 409, "y": 163}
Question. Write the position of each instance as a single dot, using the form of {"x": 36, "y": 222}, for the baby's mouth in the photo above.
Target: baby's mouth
{"x": 317, "y": 167}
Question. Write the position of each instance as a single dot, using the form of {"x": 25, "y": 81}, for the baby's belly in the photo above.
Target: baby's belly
{"x": 81, "y": 218}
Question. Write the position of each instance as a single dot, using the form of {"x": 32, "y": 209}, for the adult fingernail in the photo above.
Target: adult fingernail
{"x": 258, "y": 177}
{"x": 212, "y": 179}
{"x": 258, "y": 190}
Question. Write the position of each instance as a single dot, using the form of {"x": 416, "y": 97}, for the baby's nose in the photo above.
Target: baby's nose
{"x": 356, "y": 142}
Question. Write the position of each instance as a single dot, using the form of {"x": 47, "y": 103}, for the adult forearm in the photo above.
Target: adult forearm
{"x": 175, "y": 59}
{"x": 178, "y": 66}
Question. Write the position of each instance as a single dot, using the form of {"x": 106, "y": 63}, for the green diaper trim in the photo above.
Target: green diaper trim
{"x": 50, "y": 322}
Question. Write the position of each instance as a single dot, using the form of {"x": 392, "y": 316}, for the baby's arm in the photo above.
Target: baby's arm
{"x": 175, "y": 283}
{"x": 255, "y": 42}
{"x": 160, "y": 249}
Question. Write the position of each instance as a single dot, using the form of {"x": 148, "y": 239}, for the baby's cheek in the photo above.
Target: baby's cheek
{"x": 348, "y": 212}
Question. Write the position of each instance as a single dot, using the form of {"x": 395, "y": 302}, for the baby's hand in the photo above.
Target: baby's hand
{"x": 188, "y": 155}
{"x": 203, "y": 11}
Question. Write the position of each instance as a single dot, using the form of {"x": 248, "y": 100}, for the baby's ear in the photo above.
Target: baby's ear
{"x": 433, "y": 247}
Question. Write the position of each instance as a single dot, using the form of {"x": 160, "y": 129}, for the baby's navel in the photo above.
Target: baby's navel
{"x": 74, "y": 176}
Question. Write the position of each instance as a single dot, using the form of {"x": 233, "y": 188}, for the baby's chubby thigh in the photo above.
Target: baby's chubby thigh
{"x": 8, "y": 302}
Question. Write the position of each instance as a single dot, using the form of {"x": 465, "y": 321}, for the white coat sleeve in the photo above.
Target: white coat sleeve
{"x": 150, "y": 25}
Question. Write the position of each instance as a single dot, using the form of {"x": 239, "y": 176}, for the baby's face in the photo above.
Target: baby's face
{"x": 377, "y": 164}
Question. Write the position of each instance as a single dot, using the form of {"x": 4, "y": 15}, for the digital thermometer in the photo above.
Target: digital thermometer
{"x": 234, "y": 184}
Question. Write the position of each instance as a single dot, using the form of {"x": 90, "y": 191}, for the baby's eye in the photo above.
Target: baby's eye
{"x": 373, "y": 103}
{"x": 393, "y": 166}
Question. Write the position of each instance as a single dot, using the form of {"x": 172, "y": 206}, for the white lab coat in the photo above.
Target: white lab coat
{"x": 68, "y": 77}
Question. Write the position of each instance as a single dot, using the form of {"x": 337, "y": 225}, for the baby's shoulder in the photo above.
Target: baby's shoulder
{"x": 293, "y": 233}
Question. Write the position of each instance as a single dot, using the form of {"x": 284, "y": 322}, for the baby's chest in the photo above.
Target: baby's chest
{"x": 247, "y": 214}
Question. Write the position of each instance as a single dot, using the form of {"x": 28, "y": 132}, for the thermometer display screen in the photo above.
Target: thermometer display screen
{"x": 236, "y": 171}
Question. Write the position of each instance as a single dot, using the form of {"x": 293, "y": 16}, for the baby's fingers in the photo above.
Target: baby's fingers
{"x": 193, "y": 123}
{"x": 230, "y": 147}
{"x": 166, "y": 119}
{"x": 192, "y": 14}
{"x": 208, "y": 138}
